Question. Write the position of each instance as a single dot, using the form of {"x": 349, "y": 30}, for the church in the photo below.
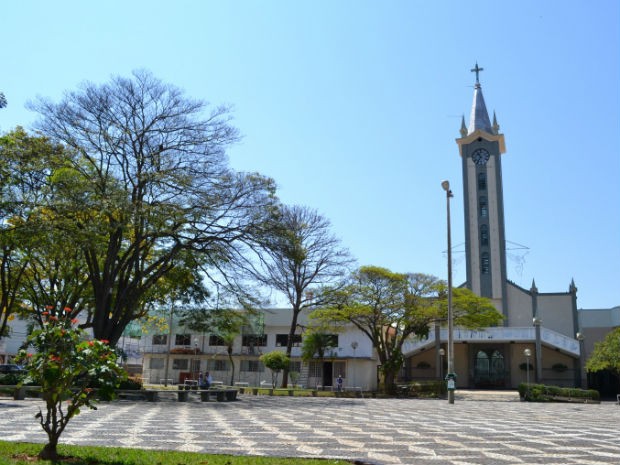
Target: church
{"x": 539, "y": 340}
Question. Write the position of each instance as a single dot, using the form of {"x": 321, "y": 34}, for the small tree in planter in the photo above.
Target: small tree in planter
{"x": 276, "y": 361}
{"x": 66, "y": 365}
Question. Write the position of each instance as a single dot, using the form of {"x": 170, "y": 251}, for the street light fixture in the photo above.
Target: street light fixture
{"x": 528, "y": 354}
{"x": 451, "y": 375}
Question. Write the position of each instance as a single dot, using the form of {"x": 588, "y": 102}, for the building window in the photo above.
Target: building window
{"x": 484, "y": 207}
{"x": 295, "y": 366}
{"x": 482, "y": 181}
{"x": 254, "y": 340}
{"x": 484, "y": 263}
{"x": 282, "y": 340}
{"x": 215, "y": 340}
{"x": 333, "y": 340}
{"x": 253, "y": 366}
{"x": 180, "y": 363}
{"x": 160, "y": 339}
{"x": 183, "y": 340}
{"x": 156, "y": 363}
{"x": 217, "y": 365}
{"x": 315, "y": 370}
{"x": 484, "y": 235}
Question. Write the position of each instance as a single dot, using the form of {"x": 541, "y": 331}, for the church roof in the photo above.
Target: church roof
{"x": 479, "y": 118}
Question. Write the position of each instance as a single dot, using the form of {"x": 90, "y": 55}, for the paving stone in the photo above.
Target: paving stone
{"x": 475, "y": 430}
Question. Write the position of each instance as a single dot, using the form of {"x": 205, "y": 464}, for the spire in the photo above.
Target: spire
{"x": 495, "y": 125}
{"x": 533, "y": 289}
{"x": 463, "y": 127}
{"x": 572, "y": 288}
{"x": 479, "y": 118}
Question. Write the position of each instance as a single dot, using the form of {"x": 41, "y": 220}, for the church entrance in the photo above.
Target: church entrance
{"x": 490, "y": 368}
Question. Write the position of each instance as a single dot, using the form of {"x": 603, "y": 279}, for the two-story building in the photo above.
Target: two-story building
{"x": 182, "y": 354}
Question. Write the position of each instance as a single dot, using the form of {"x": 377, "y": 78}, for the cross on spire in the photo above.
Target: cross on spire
{"x": 477, "y": 70}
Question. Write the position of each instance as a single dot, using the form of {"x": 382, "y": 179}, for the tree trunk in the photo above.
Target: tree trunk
{"x": 389, "y": 377}
{"x": 289, "y": 344}
{"x": 50, "y": 451}
{"x": 232, "y": 364}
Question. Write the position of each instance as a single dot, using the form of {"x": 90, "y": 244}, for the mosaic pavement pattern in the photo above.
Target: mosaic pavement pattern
{"x": 373, "y": 431}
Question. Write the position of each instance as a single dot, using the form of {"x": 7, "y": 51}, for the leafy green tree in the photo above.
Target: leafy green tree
{"x": 225, "y": 323}
{"x": 300, "y": 254}
{"x": 276, "y": 361}
{"x": 26, "y": 163}
{"x": 148, "y": 192}
{"x": 390, "y": 307}
{"x": 606, "y": 354}
{"x": 67, "y": 367}
{"x": 315, "y": 344}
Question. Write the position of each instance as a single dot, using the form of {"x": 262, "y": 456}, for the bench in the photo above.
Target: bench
{"x": 221, "y": 395}
{"x": 357, "y": 389}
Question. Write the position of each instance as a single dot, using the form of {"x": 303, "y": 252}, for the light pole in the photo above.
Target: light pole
{"x": 537, "y": 327}
{"x": 353, "y": 346}
{"x": 442, "y": 352}
{"x": 528, "y": 354}
{"x": 196, "y": 361}
{"x": 582, "y": 356}
{"x": 451, "y": 381}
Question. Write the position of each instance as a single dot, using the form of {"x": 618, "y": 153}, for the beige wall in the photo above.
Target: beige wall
{"x": 520, "y": 310}
{"x": 556, "y": 313}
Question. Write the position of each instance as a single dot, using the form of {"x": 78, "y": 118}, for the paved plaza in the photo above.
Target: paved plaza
{"x": 475, "y": 430}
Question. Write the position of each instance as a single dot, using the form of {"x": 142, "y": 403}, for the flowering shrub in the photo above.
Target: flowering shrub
{"x": 66, "y": 365}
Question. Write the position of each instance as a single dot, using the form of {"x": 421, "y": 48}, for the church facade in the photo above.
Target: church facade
{"x": 539, "y": 340}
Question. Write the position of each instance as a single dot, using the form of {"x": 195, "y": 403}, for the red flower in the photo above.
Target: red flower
{"x": 74, "y": 321}
{"x": 105, "y": 341}
{"x": 45, "y": 313}
{"x": 67, "y": 309}
{"x": 49, "y": 307}
{"x": 91, "y": 343}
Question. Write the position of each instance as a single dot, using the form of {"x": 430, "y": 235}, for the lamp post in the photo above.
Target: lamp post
{"x": 582, "y": 356}
{"x": 442, "y": 352}
{"x": 196, "y": 361}
{"x": 528, "y": 354}
{"x": 353, "y": 346}
{"x": 537, "y": 322}
{"x": 451, "y": 382}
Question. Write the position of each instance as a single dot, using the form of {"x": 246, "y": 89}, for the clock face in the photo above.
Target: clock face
{"x": 480, "y": 156}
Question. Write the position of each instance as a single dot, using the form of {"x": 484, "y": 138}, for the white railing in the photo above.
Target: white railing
{"x": 497, "y": 334}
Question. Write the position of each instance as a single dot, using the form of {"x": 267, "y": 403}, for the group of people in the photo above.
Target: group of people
{"x": 204, "y": 381}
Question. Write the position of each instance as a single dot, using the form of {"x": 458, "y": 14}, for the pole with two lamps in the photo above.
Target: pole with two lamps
{"x": 451, "y": 376}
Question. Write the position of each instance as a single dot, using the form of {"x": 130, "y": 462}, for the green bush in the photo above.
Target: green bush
{"x": 422, "y": 389}
{"x": 11, "y": 379}
{"x": 544, "y": 393}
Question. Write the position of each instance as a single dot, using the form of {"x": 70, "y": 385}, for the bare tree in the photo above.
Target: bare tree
{"x": 300, "y": 254}
{"x": 150, "y": 192}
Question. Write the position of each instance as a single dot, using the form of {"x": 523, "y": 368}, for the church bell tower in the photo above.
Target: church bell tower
{"x": 481, "y": 146}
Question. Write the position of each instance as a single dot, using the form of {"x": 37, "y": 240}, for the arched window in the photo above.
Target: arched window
{"x": 484, "y": 208}
{"x": 484, "y": 263}
{"x": 482, "y": 181}
{"x": 484, "y": 235}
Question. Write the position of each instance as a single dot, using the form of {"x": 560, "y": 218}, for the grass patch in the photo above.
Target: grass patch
{"x": 21, "y": 453}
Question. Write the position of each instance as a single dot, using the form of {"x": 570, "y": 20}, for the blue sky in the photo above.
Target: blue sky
{"x": 353, "y": 107}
